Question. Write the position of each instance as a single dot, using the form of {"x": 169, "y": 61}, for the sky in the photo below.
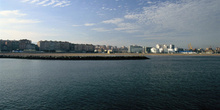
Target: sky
{"x": 113, "y": 22}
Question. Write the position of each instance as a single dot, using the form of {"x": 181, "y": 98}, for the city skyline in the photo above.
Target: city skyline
{"x": 115, "y": 22}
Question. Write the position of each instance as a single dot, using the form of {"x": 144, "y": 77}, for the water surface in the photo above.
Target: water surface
{"x": 163, "y": 82}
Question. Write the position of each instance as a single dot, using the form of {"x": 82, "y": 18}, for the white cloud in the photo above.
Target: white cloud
{"x": 126, "y": 26}
{"x": 17, "y": 21}
{"x": 33, "y": 1}
{"x": 76, "y": 25}
{"x": 11, "y": 13}
{"x": 109, "y": 9}
{"x": 100, "y": 29}
{"x": 183, "y": 16}
{"x": 62, "y": 3}
{"x": 25, "y": 0}
{"x": 43, "y": 2}
{"x": 113, "y": 21}
{"x": 86, "y": 24}
{"x": 16, "y": 35}
{"x": 14, "y": 17}
{"x": 122, "y": 25}
{"x": 54, "y": 3}
{"x": 179, "y": 21}
{"x": 89, "y": 24}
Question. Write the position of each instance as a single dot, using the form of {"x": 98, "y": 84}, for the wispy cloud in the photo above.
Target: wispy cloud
{"x": 126, "y": 26}
{"x": 33, "y": 1}
{"x": 17, "y": 21}
{"x": 89, "y": 24}
{"x": 113, "y": 21}
{"x": 11, "y": 13}
{"x": 50, "y": 3}
{"x": 76, "y": 25}
{"x": 183, "y": 16}
{"x": 101, "y": 29}
{"x": 122, "y": 25}
{"x": 25, "y": 0}
{"x": 14, "y": 17}
{"x": 54, "y": 3}
{"x": 195, "y": 18}
{"x": 43, "y": 2}
{"x": 86, "y": 24}
{"x": 62, "y": 3}
{"x": 16, "y": 34}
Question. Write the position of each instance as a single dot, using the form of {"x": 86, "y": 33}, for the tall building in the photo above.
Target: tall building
{"x": 9, "y": 45}
{"x": 24, "y": 44}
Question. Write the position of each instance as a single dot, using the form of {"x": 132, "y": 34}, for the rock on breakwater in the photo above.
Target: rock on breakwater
{"x": 76, "y": 57}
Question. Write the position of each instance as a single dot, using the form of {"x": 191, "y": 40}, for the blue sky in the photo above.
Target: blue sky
{"x": 113, "y": 22}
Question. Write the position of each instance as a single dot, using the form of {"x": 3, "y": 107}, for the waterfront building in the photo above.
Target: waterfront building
{"x": 53, "y": 46}
{"x": 147, "y": 49}
{"x": 172, "y": 46}
{"x": 135, "y": 49}
{"x": 176, "y": 49}
{"x": 24, "y": 44}
{"x": 123, "y": 49}
{"x": 161, "y": 50}
{"x": 165, "y": 46}
{"x": 158, "y": 46}
{"x": 154, "y": 50}
{"x": 84, "y": 48}
{"x": 217, "y": 49}
{"x": 209, "y": 50}
{"x": 170, "y": 50}
{"x": 14, "y": 45}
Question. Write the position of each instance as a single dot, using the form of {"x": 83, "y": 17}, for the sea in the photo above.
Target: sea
{"x": 160, "y": 83}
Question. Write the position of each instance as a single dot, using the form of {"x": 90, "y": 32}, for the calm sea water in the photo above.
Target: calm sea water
{"x": 163, "y": 82}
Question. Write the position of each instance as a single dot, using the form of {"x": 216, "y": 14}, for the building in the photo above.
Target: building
{"x": 209, "y": 50}
{"x": 154, "y": 50}
{"x": 147, "y": 49}
{"x": 123, "y": 49}
{"x": 172, "y": 46}
{"x": 54, "y": 46}
{"x": 12, "y": 45}
{"x": 25, "y": 44}
{"x": 135, "y": 49}
{"x": 83, "y": 48}
{"x": 217, "y": 49}
{"x": 16, "y": 46}
{"x": 158, "y": 46}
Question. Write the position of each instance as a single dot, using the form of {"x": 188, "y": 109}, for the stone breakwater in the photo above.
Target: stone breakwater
{"x": 76, "y": 57}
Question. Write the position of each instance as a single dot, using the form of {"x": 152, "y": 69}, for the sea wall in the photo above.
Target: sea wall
{"x": 77, "y": 57}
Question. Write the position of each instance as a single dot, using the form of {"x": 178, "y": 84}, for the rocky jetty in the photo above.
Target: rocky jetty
{"x": 76, "y": 57}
